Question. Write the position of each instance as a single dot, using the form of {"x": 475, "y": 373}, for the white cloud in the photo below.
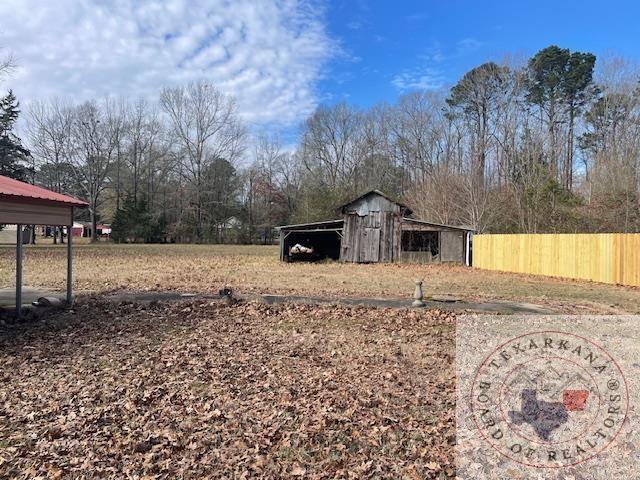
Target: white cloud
{"x": 469, "y": 44}
{"x": 426, "y": 78}
{"x": 268, "y": 54}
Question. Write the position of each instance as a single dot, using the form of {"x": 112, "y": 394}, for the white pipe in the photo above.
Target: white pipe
{"x": 468, "y": 250}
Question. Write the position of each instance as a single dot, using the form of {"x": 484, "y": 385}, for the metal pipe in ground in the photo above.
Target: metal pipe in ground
{"x": 69, "y": 261}
{"x": 19, "y": 271}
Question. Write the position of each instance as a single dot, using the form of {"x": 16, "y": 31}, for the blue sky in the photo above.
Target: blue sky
{"x": 391, "y": 46}
{"x": 280, "y": 59}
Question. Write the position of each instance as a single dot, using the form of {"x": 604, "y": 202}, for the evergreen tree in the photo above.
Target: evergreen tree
{"x": 476, "y": 95}
{"x": 560, "y": 82}
{"x": 12, "y": 153}
{"x": 135, "y": 223}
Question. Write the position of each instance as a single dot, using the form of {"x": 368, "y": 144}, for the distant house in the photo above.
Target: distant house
{"x": 102, "y": 230}
{"x": 77, "y": 229}
{"x": 231, "y": 223}
{"x": 375, "y": 228}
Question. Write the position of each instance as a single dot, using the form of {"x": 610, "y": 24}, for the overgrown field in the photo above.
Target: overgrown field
{"x": 256, "y": 269}
{"x": 201, "y": 390}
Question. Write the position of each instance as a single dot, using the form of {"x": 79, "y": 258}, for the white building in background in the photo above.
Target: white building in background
{"x": 8, "y": 234}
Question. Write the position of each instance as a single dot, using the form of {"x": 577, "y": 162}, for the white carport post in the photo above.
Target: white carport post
{"x": 18, "y": 270}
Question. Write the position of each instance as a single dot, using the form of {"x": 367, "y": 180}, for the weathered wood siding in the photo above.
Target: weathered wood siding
{"x": 371, "y": 231}
{"x": 607, "y": 257}
{"x": 452, "y": 246}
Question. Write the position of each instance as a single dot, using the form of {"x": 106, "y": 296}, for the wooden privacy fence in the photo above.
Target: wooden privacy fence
{"x": 600, "y": 257}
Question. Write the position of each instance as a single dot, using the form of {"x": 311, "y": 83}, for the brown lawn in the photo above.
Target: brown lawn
{"x": 200, "y": 390}
{"x": 256, "y": 269}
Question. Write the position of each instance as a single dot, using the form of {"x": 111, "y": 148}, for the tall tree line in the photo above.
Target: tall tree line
{"x": 550, "y": 144}
{"x": 547, "y": 146}
{"x": 135, "y": 162}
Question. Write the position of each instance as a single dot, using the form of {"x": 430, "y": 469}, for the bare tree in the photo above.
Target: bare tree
{"x": 50, "y": 132}
{"x": 417, "y": 134}
{"x": 205, "y": 126}
{"x": 329, "y": 144}
{"x": 94, "y": 134}
{"x": 7, "y": 65}
{"x": 266, "y": 200}
{"x": 49, "y": 127}
{"x": 141, "y": 129}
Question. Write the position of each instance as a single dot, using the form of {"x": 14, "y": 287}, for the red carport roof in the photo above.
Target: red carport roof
{"x": 16, "y": 190}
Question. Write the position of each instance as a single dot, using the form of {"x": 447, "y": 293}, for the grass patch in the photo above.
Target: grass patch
{"x": 256, "y": 269}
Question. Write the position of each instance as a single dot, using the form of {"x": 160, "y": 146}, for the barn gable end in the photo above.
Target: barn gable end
{"x": 371, "y": 229}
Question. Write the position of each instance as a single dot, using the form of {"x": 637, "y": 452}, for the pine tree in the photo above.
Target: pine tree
{"x": 134, "y": 223}
{"x": 560, "y": 82}
{"x": 12, "y": 153}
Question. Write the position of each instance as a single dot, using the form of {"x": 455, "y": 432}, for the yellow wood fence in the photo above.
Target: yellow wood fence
{"x": 600, "y": 257}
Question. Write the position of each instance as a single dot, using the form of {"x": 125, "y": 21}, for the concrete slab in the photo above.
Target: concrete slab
{"x": 449, "y": 304}
{"x": 29, "y": 294}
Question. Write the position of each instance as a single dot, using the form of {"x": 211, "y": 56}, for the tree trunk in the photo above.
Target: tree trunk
{"x": 135, "y": 172}
{"x": 250, "y": 209}
{"x": 118, "y": 193}
{"x": 568, "y": 167}
{"x": 94, "y": 226}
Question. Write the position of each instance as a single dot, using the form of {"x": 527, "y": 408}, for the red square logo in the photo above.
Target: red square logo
{"x": 575, "y": 400}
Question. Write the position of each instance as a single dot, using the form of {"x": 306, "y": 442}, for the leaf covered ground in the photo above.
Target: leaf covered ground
{"x": 205, "y": 390}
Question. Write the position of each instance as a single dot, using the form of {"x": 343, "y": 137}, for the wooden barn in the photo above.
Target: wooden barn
{"x": 375, "y": 228}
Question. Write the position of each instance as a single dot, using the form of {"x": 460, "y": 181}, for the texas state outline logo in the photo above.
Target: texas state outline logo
{"x": 549, "y": 399}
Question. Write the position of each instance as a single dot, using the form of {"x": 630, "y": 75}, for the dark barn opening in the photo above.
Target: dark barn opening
{"x": 420, "y": 246}
{"x": 416, "y": 241}
{"x": 325, "y": 245}
{"x": 311, "y": 242}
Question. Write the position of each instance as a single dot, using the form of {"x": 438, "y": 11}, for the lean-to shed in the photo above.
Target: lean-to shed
{"x": 375, "y": 228}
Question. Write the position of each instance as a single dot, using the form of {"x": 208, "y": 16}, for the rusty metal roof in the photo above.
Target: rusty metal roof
{"x": 17, "y": 190}
{"x": 326, "y": 224}
{"x": 433, "y": 224}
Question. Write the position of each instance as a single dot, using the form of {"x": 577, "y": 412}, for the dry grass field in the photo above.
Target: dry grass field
{"x": 201, "y": 390}
{"x": 256, "y": 269}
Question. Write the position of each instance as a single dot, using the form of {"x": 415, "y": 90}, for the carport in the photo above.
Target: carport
{"x": 24, "y": 204}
